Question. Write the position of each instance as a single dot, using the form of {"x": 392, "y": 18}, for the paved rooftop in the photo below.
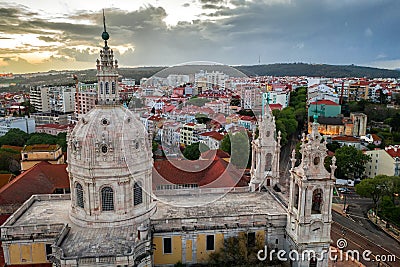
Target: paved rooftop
{"x": 80, "y": 241}
{"x": 217, "y": 204}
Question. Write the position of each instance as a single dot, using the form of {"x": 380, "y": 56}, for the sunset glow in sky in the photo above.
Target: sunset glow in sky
{"x": 44, "y": 35}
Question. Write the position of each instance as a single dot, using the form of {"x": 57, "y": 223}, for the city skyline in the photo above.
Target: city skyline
{"x": 53, "y": 35}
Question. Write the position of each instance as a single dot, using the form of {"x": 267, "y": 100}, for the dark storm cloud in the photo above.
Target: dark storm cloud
{"x": 324, "y": 31}
{"x": 212, "y": 6}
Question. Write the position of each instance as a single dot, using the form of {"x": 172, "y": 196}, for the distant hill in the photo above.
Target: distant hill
{"x": 284, "y": 69}
{"x": 192, "y": 69}
{"x": 317, "y": 70}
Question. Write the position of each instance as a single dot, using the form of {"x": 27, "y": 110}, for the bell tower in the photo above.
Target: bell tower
{"x": 107, "y": 73}
{"x": 310, "y": 202}
{"x": 265, "y": 153}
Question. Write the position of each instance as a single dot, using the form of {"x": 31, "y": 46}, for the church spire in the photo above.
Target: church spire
{"x": 107, "y": 72}
{"x": 105, "y": 36}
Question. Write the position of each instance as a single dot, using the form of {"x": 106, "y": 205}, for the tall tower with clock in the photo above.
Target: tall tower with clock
{"x": 310, "y": 202}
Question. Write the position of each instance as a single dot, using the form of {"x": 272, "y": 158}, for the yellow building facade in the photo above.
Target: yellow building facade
{"x": 34, "y": 154}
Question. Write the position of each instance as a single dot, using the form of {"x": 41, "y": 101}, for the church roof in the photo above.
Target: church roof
{"x": 43, "y": 178}
{"x": 212, "y": 173}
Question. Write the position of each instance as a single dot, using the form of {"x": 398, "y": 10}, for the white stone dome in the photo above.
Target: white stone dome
{"x": 109, "y": 162}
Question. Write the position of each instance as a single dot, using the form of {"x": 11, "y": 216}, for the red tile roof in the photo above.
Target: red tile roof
{"x": 210, "y": 154}
{"x": 275, "y": 106}
{"x": 393, "y": 151}
{"x": 214, "y": 134}
{"x": 325, "y": 102}
{"x": 346, "y": 139}
{"x": 43, "y": 178}
{"x": 5, "y": 179}
{"x": 209, "y": 173}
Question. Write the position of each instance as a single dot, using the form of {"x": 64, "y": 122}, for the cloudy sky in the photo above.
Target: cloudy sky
{"x": 57, "y": 34}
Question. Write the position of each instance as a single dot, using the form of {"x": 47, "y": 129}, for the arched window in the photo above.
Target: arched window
{"x": 296, "y": 196}
{"x": 268, "y": 162}
{"x": 316, "y": 201}
{"x": 79, "y": 195}
{"x": 107, "y": 88}
{"x": 101, "y": 87}
{"x": 113, "y": 88}
{"x": 137, "y": 194}
{"x": 107, "y": 199}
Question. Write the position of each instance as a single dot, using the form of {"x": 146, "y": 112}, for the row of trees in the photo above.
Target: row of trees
{"x": 289, "y": 119}
{"x": 384, "y": 192}
{"x": 9, "y": 158}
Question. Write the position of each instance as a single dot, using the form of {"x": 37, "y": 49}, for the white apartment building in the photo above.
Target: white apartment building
{"x": 168, "y": 133}
{"x": 278, "y": 96}
{"x": 175, "y": 80}
{"x": 62, "y": 99}
{"x": 211, "y": 139}
{"x": 383, "y": 162}
{"x": 39, "y": 98}
{"x": 322, "y": 92}
{"x": 219, "y": 106}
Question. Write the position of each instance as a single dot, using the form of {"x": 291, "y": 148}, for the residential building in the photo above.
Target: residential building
{"x": 62, "y": 99}
{"x": 34, "y": 154}
{"x": 358, "y": 90}
{"x": 219, "y": 106}
{"x": 50, "y": 118}
{"x": 324, "y": 108}
{"x": 85, "y": 99}
{"x": 278, "y": 96}
{"x": 247, "y": 122}
{"x": 40, "y": 99}
{"x": 211, "y": 139}
{"x": 383, "y": 162}
{"x": 54, "y": 129}
{"x": 190, "y": 132}
{"x": 168, "y": 136}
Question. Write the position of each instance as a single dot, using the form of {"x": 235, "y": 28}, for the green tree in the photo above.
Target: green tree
{"x": 226, "y": 144}
{"x": 241, "y": 250}
{"x": 350, "y": 162}
{"x": 154, "y": 146}
{"x": 333, "y": 146}
{"x": 14, "y": 137}
{"x": 371, "y": 188}
{"x": 193, "y": 151}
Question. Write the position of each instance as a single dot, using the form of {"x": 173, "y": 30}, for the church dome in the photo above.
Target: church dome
{"x": 110, "y": 166}
{"x": 109, "y": 158}
{"x": 109, "y": 141}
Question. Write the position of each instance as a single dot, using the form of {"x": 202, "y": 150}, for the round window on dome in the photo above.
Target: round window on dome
{"x": 104, "y": 149}
{"x": 104, "y": 121}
